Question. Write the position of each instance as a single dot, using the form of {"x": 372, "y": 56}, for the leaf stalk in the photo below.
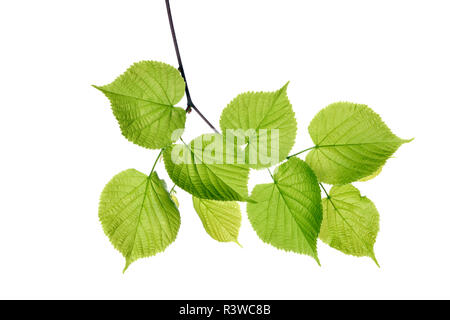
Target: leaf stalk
{"x": 325, "y": 190}
{"x": 156, "y": 161}
{"x": 296, "y": 154}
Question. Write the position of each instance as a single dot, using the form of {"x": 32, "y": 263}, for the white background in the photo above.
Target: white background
{"x": 60, "y": 143}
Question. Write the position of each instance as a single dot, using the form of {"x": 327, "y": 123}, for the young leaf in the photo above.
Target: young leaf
{"x": 175, "y": 200}
{"x": 204, "y": 173}
{"x": 221, "y": 219}
{"x": 350, "y": 222}
{"x": 288, "y": 213}
{"x": 265, "y": 122}
{"x": 352, "y": 142}
{"x": 143, "y": 100}
{"x": 138, "y": 215}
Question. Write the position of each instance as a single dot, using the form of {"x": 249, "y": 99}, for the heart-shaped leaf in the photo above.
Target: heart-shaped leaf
{"x": 265, "y": 123}
{"x": 143, "y": 100}
{"x": 350, "y": 222}
{"x": 138, "y": 215}
{"x": 288, "y": 213}
{"x": 352, "y": 142}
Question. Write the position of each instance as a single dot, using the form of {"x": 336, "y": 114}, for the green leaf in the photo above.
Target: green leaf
{"x": 372, "y": 176}
{"x": 350, "y": 222}
{"x": 352, "y": 142}
{"x": 138, "y": 215}
{"x": 221, "y": 219}
{"x": 265, "y": 123}
{"x": 143, "y": 100}
{"x": 288, "y": 213}
{"x": 201, "y": 169}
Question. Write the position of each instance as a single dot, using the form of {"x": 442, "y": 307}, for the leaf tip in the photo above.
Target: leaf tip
{"x": 237, "y": 242}
{"x": 316, "y": 257}
{"x": 375, "y": 260}
{"x": 318, "y": 261}
{"x": 127, "y": 264}
{"x": 284, "y": 88}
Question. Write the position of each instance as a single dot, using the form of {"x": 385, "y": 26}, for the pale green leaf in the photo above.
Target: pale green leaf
{"x": 288, "y": 213}
{"x": 265, "y": 123}
{"x": 221, "y": 219}
{"x": 175, "y": 200}
{"x": 138, "y": 215}
{"x": 172, "y": 193}
{"x": 352, "y": 142}
{"x": 350, "y": 222}
{"x": 205, "y": 173}
{"x": 143, "y": 100}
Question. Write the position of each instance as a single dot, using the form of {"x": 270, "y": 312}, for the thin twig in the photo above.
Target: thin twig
{"x": 190, "y": 104}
